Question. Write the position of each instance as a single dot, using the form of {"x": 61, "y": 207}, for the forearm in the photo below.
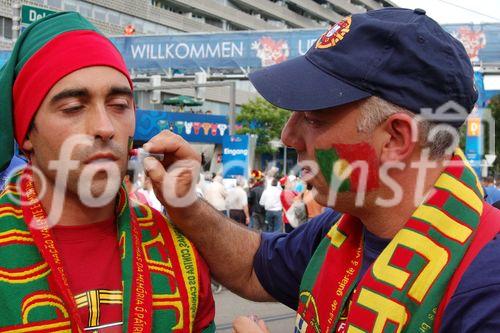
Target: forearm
{"x": 227, "y": 247}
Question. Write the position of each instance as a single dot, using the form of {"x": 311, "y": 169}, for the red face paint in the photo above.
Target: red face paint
{"x": 360, "y": 157}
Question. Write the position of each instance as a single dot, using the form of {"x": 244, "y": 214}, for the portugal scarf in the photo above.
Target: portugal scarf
{"x": 403, "y": 289}
{"x": 160, "y": 271}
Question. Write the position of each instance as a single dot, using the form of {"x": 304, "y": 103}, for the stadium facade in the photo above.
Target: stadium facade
{"x": 167, "y": 17}
{"x": 170, "y": 16}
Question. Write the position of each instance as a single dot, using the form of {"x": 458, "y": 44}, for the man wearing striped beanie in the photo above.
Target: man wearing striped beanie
{"x": 75, "y": 254}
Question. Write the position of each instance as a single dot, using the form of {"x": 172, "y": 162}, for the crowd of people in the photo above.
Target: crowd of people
{"x": 263, "y": 201}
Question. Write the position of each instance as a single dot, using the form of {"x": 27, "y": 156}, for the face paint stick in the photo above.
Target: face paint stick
{"x": 142, "y": 154}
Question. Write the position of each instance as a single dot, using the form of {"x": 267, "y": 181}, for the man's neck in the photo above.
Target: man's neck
{"x": 73, "y": 211}
{"x": 386, "y": 222}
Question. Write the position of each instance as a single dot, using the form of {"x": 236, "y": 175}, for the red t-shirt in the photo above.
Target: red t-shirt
{"x": 91, "y": 260}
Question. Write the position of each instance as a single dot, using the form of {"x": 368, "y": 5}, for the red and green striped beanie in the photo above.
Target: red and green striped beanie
{"x": 46, "y": 51}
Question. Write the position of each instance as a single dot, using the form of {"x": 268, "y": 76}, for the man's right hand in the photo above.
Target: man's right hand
{"x": 174, "y": 179}
{"x": 227, "y": 247}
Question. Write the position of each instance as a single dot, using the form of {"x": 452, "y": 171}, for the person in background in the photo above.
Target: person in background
{"x": 257, "y": 211}
{"x": 147, "y": 192}
{"x": 287, "y": 196}
{"x": 237, "y": 203}
{"x": 215, "y": 193}
{"x": 132, "y": 189}
{"x": 299, "y": 186}
{"x": 491, "y": 192}
{"x": 271, "y": 174}
{"x": 313, "y": 207}
{"x": 272, "y": 204}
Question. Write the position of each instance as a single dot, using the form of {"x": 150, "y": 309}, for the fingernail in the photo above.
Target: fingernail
{"x": 146, "y": 146}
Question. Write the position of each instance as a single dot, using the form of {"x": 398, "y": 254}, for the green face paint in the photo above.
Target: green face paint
{"x": 326, "y": 159}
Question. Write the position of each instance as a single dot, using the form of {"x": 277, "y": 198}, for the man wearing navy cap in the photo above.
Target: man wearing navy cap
{"x": 375, "y": 107}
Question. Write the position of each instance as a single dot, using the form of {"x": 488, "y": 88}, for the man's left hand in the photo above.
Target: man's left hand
{"x": 245, "y": 324}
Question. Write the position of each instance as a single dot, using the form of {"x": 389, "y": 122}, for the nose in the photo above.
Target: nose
{"x": 100, "y": 124}
{"x": 291, "y": 135}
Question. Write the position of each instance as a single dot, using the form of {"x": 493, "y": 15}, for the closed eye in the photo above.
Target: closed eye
{"x": 72, "y": 109}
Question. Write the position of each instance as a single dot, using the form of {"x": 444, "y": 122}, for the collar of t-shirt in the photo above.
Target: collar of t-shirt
{"x": 89, "y": 232}
{"x": 373, "y": 246}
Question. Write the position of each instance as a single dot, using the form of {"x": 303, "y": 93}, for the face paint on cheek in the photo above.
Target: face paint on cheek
{"x": 349, "y": 167}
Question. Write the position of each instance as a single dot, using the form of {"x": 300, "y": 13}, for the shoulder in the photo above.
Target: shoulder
{"x": 11, "y": 213}
{"x": 323, "y": 222}
{"x": 488, "y": 263}
{"x": 282, "y": 258}
{"x": 475, "y": 305}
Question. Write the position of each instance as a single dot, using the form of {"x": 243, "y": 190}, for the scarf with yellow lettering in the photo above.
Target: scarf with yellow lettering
{"x": 159, "y": 269}
{"x": 404, "y": 287}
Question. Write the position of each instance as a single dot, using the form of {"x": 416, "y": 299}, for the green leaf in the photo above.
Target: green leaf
{"x": 269, "y": 120}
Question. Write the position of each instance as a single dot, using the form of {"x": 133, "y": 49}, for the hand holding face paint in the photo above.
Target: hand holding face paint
{"x": 174, "y": 178}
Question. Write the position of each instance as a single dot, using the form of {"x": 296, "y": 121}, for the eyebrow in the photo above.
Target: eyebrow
{"x": 84, "y": 92}
{"x": 121, "y": 91}
{"x": 69, "y": 93}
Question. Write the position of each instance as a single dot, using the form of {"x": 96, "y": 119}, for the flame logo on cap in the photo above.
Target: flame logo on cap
{"x": 334, "y": 35}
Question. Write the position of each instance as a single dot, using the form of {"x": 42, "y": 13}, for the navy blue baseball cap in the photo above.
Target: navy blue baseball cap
{"x": 399, "y": 55}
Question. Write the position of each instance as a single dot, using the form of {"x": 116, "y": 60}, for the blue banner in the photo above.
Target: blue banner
{"x": 187, "y": 53}
{"x": 235, "y": 156}
{"x": 474, "y": 140}
{"x": 4, "y": 56}
{"x": 484, "y": 96}
{"x": 192, "y": 127}
{"x": 481, "y": 41}
{"x": 190, "y": 52}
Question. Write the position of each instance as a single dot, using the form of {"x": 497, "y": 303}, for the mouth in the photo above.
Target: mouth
{"x": 101, "y": 158}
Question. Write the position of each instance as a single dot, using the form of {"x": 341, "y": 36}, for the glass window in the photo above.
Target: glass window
{"x": 99, "y": 14}
{"x": 113, "y": 18}
{"x": 54, "y": 3}
{"x": 7, "y": 32}
{"x": 2, "y": 19}
{"x": 138, "y": 25}
{"x": 85, "y": 9}
{"x": 70, "y": 5}
{"x": 125, "y": 20}
{"x": 149, "y": 28}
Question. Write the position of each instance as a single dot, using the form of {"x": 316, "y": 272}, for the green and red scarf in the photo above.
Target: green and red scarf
{"x": 403, "y": 289}
{"x": 160, "y": 270}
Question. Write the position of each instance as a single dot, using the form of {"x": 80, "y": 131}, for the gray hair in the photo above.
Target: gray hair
{"x": 376, "y": 110}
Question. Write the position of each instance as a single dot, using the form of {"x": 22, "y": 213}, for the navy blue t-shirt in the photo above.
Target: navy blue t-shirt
{"x": 282, "y": 259}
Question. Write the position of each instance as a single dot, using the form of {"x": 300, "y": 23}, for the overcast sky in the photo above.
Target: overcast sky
{"x": 448, "y": 11}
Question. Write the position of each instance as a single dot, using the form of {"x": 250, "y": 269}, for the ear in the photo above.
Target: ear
{"x": 27, "y": 145}
{"x": 402, "y": 137}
